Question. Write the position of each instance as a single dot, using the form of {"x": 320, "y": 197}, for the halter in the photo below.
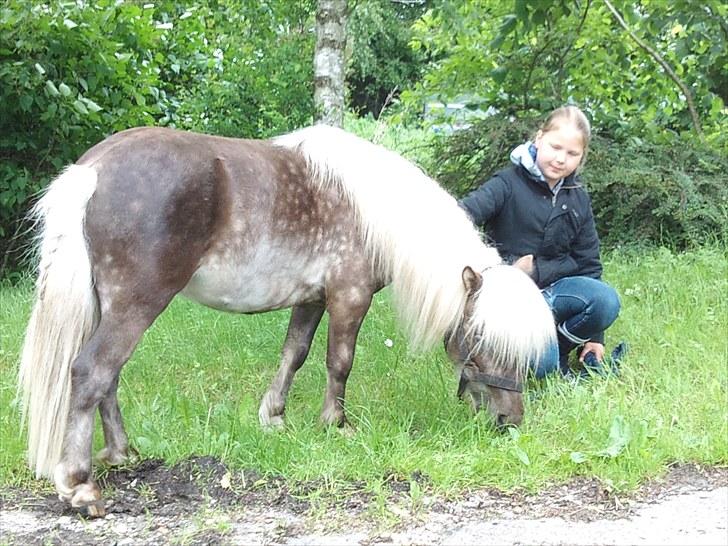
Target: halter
{"x": 498, "y": 382}
{"x": 491, "y": 380}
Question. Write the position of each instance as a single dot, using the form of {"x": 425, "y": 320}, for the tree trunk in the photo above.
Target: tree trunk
{"x": 328, "y": 63}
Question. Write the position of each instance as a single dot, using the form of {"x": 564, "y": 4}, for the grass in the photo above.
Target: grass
{"x": 194, "y": 384}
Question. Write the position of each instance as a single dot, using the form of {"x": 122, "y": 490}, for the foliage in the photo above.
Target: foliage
{"x": 239, "y": 68}
{"x": 467, "y": 158}
{"x": 539, "y": 54}
{"x": 413, "y": 143}
{"x": 673, "y": 194}
{"x": 381, "y": 64}
{"x": 73, "y": 72}
{"x": 195, "y": 381}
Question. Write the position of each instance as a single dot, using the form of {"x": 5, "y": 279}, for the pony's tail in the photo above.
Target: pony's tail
{"x": 63, "y": 316}
{"x": 512, "y": 319}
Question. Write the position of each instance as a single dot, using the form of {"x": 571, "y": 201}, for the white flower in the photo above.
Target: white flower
{"x": 389, "y": 343}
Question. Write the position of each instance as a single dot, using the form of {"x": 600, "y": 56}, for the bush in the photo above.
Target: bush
{"x": 674, "y": 194}
{"x": 642, "y": 192}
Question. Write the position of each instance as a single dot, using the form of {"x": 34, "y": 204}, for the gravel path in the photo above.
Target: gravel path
{"x": 200, "y": 502}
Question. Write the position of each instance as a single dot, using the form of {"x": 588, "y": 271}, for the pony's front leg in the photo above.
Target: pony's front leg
{"x": 93, "y": 374}
{"x": 346, "y": 314}
{"x": 301, "y": 329}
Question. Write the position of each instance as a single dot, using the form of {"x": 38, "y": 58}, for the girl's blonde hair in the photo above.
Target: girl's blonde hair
{"x": 571, "y": 114}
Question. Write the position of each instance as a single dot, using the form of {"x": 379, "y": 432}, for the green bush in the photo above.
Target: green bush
{"x": 674, "y": 194}
{"x": 642, "y": 192}
{"x": 239, "y": 69}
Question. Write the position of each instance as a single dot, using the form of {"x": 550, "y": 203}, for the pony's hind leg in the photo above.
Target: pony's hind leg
{"x": 301, "y": 329}
{"x": 116, "y": 442}
{"x": 346, "y": 314}
{"x": 94, "y": 374}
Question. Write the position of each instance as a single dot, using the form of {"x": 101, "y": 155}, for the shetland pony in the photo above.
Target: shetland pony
{"x": 316, "y": 220}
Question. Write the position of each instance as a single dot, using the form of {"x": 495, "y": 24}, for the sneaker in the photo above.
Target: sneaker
{"x": 609, "y": 365}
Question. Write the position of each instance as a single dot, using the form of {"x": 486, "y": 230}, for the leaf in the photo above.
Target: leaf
{"x": 52, "y": 89}
{"x": 40, "y": 69}
{"x": 69, "y": 24}
{"x": 508, "y": 24}
{"x": 64, "y": 89}
{"x": 578, "y": 457}
{"x": 522, "y": 455}
{"x": 81, "y": 107}
{"x": 499, "y": 74}
{"x": 26, "y": 101}
{"x": 619, "y": 437}
{"x": 91, "y": 105}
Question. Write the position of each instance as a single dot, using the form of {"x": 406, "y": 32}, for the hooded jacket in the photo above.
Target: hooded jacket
{"x": 521, "y": 215}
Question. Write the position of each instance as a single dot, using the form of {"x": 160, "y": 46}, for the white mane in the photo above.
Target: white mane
{"x": 417, "y": 235}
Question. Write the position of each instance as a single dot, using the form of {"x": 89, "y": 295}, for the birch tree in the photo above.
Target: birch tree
{"x": 329, "y": 61}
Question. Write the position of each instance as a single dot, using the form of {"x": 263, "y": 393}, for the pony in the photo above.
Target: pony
{"x": 316, "y": 220}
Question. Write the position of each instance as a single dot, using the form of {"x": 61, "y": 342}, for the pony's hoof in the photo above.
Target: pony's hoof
{"x": 94, "y": 510}
{"x": 87, "y": 498}
{"x": 270, "y": 423}
{"x": 346, "y": 430}
{"x": 112, "y": 457}
{"x": 335, "y": 418}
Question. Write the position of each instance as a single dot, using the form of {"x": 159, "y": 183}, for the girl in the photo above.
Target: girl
{"x": 540, "y": 218}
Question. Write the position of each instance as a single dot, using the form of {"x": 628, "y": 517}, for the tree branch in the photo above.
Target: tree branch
{"x": 562, "y": 58}
{"x": 656, "y": 56}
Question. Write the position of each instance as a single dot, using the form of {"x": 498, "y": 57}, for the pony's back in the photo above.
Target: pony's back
{"x": 416, "y": 234}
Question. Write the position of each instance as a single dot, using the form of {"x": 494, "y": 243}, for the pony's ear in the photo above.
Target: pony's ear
{"x": 472, "y": 280}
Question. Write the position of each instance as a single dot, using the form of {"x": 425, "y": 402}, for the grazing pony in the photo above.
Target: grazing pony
{"x": 316, "y": 220}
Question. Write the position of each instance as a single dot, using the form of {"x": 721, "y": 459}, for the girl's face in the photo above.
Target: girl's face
{"x": 559, "y": 152}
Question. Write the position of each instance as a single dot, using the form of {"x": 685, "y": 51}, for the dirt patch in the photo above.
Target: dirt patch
{"x": 200, "y": 501}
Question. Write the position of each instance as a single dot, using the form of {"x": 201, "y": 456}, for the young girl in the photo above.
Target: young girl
{"x": 540, "y": 218}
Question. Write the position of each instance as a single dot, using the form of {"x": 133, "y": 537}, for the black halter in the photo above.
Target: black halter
{"x": 491, "y": 380}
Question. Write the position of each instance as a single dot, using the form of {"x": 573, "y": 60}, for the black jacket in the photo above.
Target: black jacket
{"x": 521, "y": 215}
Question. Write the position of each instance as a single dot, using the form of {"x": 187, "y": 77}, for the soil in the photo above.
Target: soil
{"x": 200, "y": 501}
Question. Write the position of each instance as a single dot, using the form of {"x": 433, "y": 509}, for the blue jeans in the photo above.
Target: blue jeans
{"x": 583, "y": 308}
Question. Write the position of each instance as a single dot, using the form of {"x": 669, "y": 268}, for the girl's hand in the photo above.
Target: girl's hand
{"x": 592, "y": 347}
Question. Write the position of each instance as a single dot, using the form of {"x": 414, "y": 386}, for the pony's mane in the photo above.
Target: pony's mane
{"x": 510, "y": 320}
{"x": 414, "y": 231}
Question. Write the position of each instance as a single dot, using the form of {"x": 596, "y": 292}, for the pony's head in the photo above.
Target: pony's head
{"x": 489, "y": 350}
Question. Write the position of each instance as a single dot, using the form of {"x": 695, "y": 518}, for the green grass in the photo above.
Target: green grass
{"x": 194, "y": 384}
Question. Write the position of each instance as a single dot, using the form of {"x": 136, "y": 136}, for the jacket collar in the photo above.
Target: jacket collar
{"x": 524, "y": 156}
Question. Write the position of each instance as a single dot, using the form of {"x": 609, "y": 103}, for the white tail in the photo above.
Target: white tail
{"x": 64, "y": 314}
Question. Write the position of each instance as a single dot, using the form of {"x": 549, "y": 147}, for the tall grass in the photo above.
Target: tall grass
{"x": 194, "y": 384}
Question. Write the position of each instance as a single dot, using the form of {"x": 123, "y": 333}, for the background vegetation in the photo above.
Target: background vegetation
{"x": 72, "y": 73}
